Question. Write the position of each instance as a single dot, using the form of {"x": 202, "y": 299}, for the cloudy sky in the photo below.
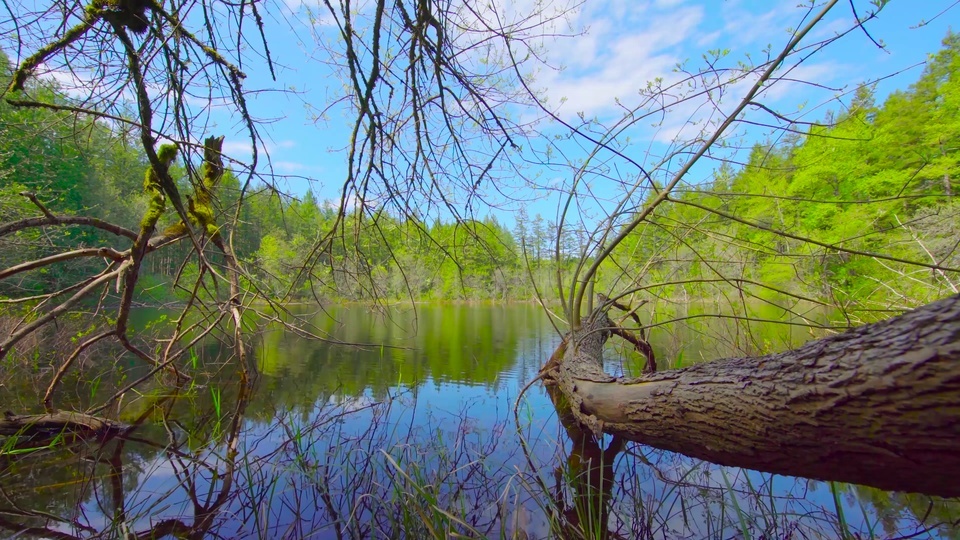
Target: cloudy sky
{"x": 624, "y": 45}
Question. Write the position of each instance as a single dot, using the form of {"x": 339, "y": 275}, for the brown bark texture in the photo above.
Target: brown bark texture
{"x": 878, "y": 405}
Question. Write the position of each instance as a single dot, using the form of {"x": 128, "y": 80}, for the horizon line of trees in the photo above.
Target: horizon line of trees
{"x": 875, "y": 178}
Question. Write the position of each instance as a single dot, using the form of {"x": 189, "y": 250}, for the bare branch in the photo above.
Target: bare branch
{"x": 15, "y": 226}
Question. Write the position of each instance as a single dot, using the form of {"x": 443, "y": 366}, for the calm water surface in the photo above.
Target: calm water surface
{"x": 412, "y": 434}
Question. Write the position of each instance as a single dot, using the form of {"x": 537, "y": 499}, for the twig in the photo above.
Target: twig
{"x": 927, "y": 251}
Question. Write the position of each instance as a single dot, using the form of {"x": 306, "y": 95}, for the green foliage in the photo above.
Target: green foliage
{"x": 200, "y": 205}
{"x": 870, "y": 180}
{"x": 75, "y": 166}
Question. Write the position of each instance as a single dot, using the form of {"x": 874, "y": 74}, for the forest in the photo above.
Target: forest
{"x": 873, "y": 178}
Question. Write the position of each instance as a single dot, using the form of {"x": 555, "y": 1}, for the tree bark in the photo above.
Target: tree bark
{"x": 878, "y": 405}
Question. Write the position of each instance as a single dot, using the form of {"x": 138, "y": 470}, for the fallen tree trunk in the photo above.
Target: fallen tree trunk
{"x": 878, "y": 405}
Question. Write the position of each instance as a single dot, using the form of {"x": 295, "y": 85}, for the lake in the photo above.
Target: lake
{"x": 418, "y": 432}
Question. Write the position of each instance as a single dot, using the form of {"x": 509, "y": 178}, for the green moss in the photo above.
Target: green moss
{"x": 200, "y": 206}
{"x": 202, "y": 214}
{"x": 94, "y": 8}
{"x": 212, "y": 169}
{"x": 167, "y": 153}
{"x": 153, "y": 188}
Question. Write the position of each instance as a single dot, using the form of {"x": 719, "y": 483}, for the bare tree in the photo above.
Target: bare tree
{"x": 430, "y": 128}
{"x": 433, "y": 91}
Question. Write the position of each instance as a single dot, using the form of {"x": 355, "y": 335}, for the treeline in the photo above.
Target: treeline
{"x": 294, "y": 248}
{"x": 74, "y": 166}
{"x": 878, "y": 181}
{"x": 834, "y": 215}
{"x": 303, "y": 248}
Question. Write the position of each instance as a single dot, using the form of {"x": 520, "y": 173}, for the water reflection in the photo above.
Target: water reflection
{"x": 466, "y": 345}
{"x": 584, "y": 480}
{"x": 415, "y": 439}
{"x": 102, "y": 488}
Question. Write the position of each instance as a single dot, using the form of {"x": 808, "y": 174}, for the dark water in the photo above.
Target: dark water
{"x": 412, "y": 435}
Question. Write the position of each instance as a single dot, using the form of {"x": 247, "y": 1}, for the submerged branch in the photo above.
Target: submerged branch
{"x": 54, "y": 423}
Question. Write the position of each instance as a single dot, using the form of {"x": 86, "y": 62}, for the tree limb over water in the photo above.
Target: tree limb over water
{"x": 878, "y": 405}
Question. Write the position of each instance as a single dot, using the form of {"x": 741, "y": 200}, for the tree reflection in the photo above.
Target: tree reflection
{"x": 340, "y": 471}
{"x": 584, "y": 481}
{"x": 86, "y": 488}
{"x": 448, "y": 344}
{"x": 300, "y": 456}
{"x": 623, "y": 491}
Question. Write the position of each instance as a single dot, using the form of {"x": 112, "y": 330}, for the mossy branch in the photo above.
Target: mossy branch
{"x": 19, "y": 79}
{"x": 127, "y": 13}
{"x": 200, "y": 205}
{"x": 153, "y": 188}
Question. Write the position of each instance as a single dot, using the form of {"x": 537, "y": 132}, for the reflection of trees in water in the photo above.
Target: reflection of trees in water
{"x": 214, "y": 474}
{"x": 895, "y": 511}
{"x": 361, "y": 468}
{"x": 461, "y": 344}
{"x": 81, "y": 488}
{"x": 584, "y": 480}
{"x": 100, "y": 369}
{"x": 43, "y": 488}
{"x": 659, "y": 494}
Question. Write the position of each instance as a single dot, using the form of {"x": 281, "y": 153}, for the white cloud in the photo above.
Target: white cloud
{"x": 316, "y": 13}
{"x": 241, "y": 146}
{"x": 617, "y": 58}
{"x": 742, "y": 27}
{"x": 77, "y": 83}
{"x": 830, "y": 29}
{"x": 792, "y": 81}
{"x": 319, "y": 14}
{"x": 236, "y": 147}
{"x": 630, "y": 43}
{"x": 289, "y": 166}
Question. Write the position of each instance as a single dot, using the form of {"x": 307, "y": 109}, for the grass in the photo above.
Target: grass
{"x": 741, "y": 516}
{"x": 14, "y": 446}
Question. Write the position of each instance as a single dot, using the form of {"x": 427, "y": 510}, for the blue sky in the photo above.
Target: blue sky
{"x": 625, "y": 44}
